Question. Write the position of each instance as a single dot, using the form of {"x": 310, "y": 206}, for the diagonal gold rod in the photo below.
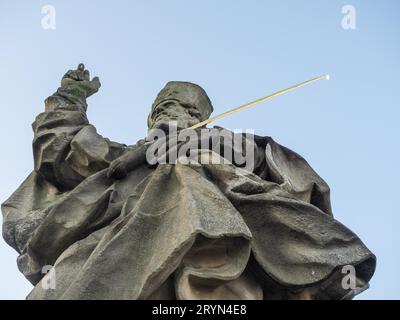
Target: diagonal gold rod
{"x": 250, "y": 104}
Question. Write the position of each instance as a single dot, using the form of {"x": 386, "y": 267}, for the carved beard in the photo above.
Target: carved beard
{"x": 172, "y": 112}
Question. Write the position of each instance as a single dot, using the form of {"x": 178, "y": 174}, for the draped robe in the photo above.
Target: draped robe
{"x": 184, "y": 231}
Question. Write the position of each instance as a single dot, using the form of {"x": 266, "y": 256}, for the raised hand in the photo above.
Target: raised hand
{"x": 80, "y": 78}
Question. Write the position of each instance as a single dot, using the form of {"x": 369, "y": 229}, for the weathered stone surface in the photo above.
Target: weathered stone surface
{"x": 115, "y": 227}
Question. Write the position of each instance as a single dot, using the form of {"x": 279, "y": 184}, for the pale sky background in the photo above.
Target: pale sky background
{"x": 238, "y": 51}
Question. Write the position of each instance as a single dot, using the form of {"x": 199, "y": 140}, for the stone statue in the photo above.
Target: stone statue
{"x": 112, "y": 226}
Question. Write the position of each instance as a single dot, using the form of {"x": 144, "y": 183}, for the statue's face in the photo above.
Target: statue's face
{"x": 169, "y": 111}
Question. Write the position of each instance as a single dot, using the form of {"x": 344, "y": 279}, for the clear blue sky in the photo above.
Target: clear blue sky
{"x": 238, "y": 51}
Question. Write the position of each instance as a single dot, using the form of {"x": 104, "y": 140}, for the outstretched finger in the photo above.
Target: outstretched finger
{"x": 81, "y": 67}
{"x": 93, "y": 86}
{"x": 86, "y": 75}
{"x": 96, "y": 82}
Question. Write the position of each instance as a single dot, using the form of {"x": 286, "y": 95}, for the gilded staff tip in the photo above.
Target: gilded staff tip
{"x": 251, "y": 104}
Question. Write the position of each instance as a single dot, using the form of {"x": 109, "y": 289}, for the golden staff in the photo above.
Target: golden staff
{"x": 250, "y": 104}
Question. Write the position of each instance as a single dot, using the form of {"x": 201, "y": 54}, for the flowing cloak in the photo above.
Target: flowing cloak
{"x": 201, "y": 227}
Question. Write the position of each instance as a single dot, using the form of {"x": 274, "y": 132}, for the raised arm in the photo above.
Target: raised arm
{"x": 66, "y": 147}
{"x": 76, "y": 87}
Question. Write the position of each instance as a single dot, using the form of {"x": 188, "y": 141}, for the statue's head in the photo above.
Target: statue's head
{"x": 183, "y": 102}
